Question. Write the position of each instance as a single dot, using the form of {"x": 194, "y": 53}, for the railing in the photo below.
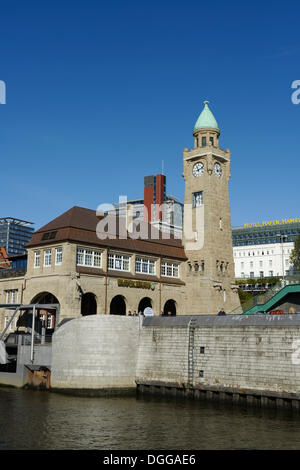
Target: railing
{"x": 38, "y": 339}
{"x": 25, "y": 339}
{"x": 4, "y": 273}
{"x": 262, "y": 298}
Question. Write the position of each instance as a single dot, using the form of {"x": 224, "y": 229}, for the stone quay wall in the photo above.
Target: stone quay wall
{"x": 237, "y": 355}
{"x": 258, "y": 354}
{"x": 95, "y": 352}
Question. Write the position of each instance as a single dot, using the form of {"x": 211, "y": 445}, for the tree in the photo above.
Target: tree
{"x": 295, "y": 254}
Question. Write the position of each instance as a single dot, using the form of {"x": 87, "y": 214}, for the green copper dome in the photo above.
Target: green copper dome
{"x": 206, "y": 119}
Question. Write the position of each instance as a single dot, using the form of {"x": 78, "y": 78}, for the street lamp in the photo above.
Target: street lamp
{"x": 282, "y": 238}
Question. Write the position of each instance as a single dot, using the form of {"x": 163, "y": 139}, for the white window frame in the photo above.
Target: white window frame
{"x": 13, "y": 324}
{"x": 11, "y": 296}
{"x": 145, "y": 265}
{"x": 58, "y": 256}
{"x": 197, "y": 199}
{"x": 117, "y": 261}
{"x": 170, "y": 269}
{"x": 49, "y": 322}
{"x": 47, "y": 258}
{"x": 89, "y": 257}
{"x": 37, "y": 259}
{"x": 14, "y": 296}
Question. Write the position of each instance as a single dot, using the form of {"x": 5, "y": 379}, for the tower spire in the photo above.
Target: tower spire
{"x": 206, "y": 119}
{"x": 206, "y": 130}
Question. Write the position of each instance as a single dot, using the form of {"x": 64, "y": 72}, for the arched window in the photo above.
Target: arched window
{"x": 88, "y": 304}
{"x": 46, "y": 317}
{"x": 170, "y": 308}
{"x": 144, "y": 303}
{"x": 118, "y": 306}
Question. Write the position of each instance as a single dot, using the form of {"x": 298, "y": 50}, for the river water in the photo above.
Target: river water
{"x": 51, "y": 421}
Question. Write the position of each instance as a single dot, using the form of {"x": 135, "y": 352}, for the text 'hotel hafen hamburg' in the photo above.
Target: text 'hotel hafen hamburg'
{"x": 91, "y": 263}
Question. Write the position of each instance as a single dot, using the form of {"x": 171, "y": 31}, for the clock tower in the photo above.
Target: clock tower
{"x": 207, "y": 238}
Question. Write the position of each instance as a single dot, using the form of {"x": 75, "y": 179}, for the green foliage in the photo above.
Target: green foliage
{"x": 295, "y": 254}
{"x": 261, "y": 280}
{"x": 244, "y": 296}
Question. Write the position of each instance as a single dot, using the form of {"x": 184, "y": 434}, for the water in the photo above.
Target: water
{"x": 50, "y": 421}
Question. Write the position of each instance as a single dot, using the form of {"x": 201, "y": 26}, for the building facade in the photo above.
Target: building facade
{"x": 71, "y": 262}
{"x": 102, "y": 263}
{"x": 264, "y": 249}
{"x": 165, "y": 212}
{"x": 207, "y": 236}
{"x": 14, "y": 235}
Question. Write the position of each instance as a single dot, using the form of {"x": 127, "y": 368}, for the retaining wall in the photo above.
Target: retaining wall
{"x": 42, "y": 357}
{"x": 96, "y": 352}
{"x": 238, "y": 354}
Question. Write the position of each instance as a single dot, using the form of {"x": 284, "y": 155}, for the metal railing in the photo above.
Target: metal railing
{"x": 262, "y": 298}
{"x": 5, "y": 273}
{"x": 13, "y": 339}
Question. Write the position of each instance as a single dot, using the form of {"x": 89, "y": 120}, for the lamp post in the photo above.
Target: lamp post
{"x": 282, "y": 238}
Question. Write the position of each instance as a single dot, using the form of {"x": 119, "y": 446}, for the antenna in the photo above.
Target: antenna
{"x": 162, "y": 167}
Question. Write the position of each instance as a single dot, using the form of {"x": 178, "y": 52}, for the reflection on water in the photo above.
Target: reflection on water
{"x": 43, "y": 420}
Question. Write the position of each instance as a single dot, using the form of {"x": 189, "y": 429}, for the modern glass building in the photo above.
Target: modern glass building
{"x": 258, "y": 234}
{"x": 15, "y": 234}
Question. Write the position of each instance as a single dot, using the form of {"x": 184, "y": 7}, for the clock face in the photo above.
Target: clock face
{"x": 198, "y": 169}
{"x": 217, "y": 169}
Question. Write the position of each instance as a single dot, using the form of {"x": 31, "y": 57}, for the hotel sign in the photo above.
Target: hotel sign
{"x": 272, "y": 222}
{"x": 138, "y": 284}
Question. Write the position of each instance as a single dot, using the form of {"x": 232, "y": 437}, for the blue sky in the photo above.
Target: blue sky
{"x": 99, "y": 93}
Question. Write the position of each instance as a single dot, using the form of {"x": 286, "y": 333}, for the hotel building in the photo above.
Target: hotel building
{"x": 264, "y": 249}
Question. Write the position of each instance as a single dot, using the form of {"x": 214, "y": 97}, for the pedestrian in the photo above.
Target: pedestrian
{"x": 221, "y": 312}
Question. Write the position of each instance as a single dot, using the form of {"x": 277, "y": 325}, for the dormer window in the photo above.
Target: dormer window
{"x": 49, "y": 236}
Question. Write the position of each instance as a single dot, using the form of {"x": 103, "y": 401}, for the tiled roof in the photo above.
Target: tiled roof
{"x": 79, "y": 225}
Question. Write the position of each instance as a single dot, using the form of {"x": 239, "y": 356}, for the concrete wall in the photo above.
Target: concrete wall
{"x": 163, "y": 351}
{"x": 42, "y": 357}
{"x": 240, "y": 352}
{"x": 95, "y": 352}
{"x": 17, "y": 379}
